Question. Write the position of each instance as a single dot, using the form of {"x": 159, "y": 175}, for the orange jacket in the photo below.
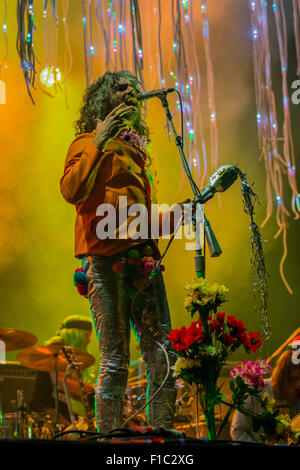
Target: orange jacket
{"x": 92, "y": 177}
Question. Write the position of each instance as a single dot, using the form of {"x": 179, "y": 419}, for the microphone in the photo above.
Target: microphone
{"x": 145, "y": 95}
{"x": 219, "y": 181}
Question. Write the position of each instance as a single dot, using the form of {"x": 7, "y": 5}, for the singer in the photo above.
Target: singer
{"x": 109, "y": 158}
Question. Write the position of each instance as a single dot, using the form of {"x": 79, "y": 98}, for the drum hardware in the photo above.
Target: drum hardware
{"x": 75, "y": 365}
{"x": 52, "y": 358}
{"x": 21, "y": 414}
{"x": 69, "y": 369}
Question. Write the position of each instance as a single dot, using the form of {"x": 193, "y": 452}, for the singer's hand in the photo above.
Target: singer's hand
{"x": 112, "y": 125}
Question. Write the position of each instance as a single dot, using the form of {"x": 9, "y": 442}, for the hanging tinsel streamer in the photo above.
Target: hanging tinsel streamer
{"x": 105, "y": 31}
{"x": 4, "y": 28}
{"x": 195, "y": 82}
{"x": 257, "y": 258}
{"x": 188, "y": 82}
{"x": 26, "y": 27}
{"x": 53, "y": 8}
{"x": 68, "y": 59}
{"x": 86, "y": 58}
{"x": 3, "y": 64}
{"x": 51, "y": 75}
{"x": 296, "y": 12}
{"x": 137, "y": 41}
{"x": 210, "y": 88}
{"x": 277, "y": 164}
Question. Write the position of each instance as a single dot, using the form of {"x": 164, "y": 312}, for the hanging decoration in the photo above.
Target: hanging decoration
{"x": 50, "y": 76}
{"x": 296, "y": 13}
{"x": 25, "y": 18}
{"x": 116, "y": 35}
{"x": 68, "y": 59}
{"x": 277, "y": 151}
{"x": 3, "y": 64}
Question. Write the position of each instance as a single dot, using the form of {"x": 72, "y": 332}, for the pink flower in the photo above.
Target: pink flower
{"x": 252, "y": 372}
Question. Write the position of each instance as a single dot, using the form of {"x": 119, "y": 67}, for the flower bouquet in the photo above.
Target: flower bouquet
{"x": 203, "y": 348}
{"x": 270, "y": 426}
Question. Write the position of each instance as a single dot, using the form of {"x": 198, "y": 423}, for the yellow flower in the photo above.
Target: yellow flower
{"x": 283, "y": 425}
{"x": 188, "y": 301}
{"x": 202, "y": 293}
{"x": 183, "y": 363}
{"x": 208, "y": 298}
{"x": 222, "y": 291}
{"x": 270, "y": 403}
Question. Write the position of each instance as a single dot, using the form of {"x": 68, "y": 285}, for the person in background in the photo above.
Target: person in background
{"x": 283, "y": 386}
{"x": 75, "y": 331}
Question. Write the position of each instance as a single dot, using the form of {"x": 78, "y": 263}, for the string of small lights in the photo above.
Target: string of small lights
{"x": 3, "y": 64}
{"x": 114, "y": 28}
{"x": 277, "y": 151}
{"x": 296, "y": 13}
{"x": 25, "y": 18}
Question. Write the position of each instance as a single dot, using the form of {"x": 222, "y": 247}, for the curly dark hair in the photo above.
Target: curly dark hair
{"x": 97, "y": 102}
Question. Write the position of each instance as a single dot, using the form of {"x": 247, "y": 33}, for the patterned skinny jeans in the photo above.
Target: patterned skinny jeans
{"x": 113, "y": 316}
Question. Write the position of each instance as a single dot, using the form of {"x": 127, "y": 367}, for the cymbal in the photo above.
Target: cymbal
{"x": 46, "y": 357}
{"x": 16, "y": 339}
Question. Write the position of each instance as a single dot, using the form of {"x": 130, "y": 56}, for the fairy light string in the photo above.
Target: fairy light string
{"x": 210, "y": 87}
{"x": 85, "y": 42}
{"x": 105, "y": 31}
{"x": 277, "y": 151}
{"x": 68, "y": 58}
{"x": 111, "y": 28}
{"x": 296, "y": 15}
{"x": 51, "y": 75}
{"x": 25, "y": 20}
{"x": 3, "y": 63}
{"x": 137, "y": 41}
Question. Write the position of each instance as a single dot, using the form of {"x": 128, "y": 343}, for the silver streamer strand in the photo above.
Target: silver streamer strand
{"x": 257, "y": 259}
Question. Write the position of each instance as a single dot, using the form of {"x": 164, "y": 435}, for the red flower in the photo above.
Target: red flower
{"x": 215, "y": 325}
{"x": 242, "y": 338}
{"x": 177, "y": 338}
{"x": 131, "y": 261}
{"x": 254, "y": 341}
{"x": 183, "y": 339}
{"x": 221, "y": 317}
{"x": 193, "y": 334}
{"x": 236, "y": 324}
{"x": 228, "y": 340}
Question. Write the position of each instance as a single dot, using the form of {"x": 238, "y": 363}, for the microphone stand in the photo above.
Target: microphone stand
{"x": 208, "y": 234}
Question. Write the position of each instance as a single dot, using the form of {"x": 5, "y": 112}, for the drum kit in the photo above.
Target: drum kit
{"x": 45, "y": 418}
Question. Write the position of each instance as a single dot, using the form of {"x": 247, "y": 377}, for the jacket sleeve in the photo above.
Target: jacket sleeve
{"x": 81, "y": 166}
